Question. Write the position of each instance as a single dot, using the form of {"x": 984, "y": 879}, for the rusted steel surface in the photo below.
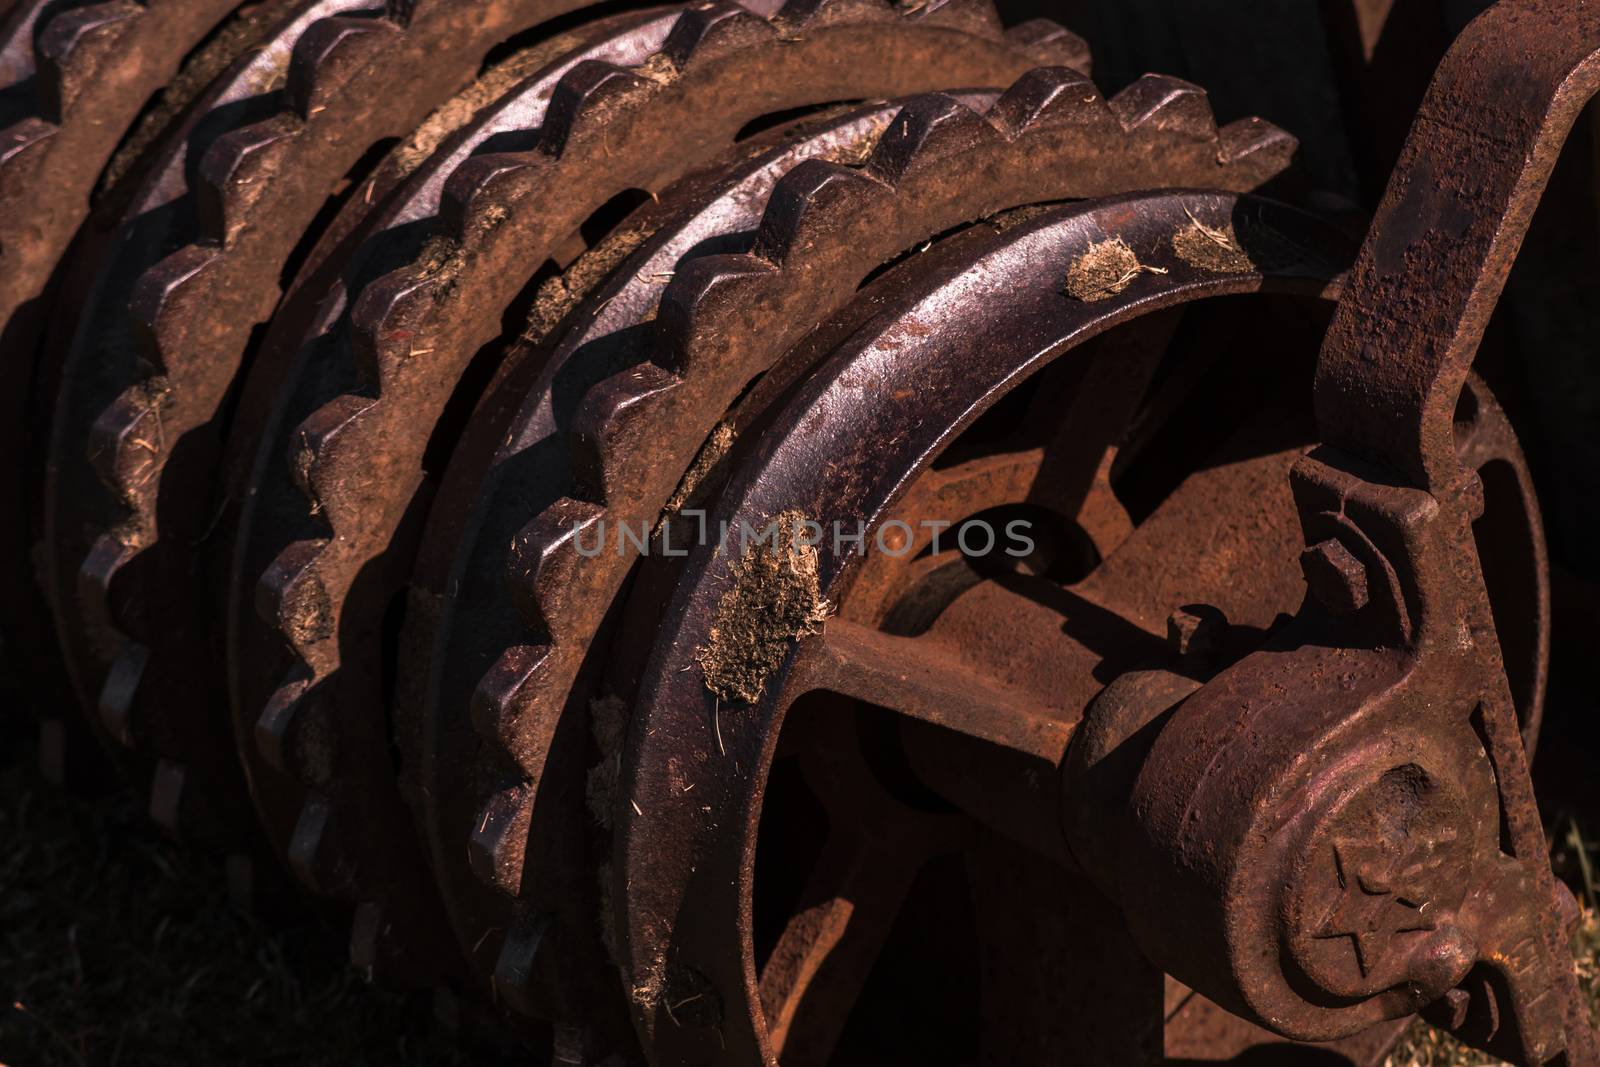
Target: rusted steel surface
{"x": 1447, "y": 231}
{"x": 1389, "y": 391}
{"x": 789, "y": 533}
{"x": 459, "y": 603}
{"x": 682, "y": 877}
{"x": 258, "y": 176}
{"x": 73, "y": 81}
{"x": 342, "y": 481}
{"x": 1050, "y": 135}
{"x": 319, "y": 758}
{"x": 175, "y": 726}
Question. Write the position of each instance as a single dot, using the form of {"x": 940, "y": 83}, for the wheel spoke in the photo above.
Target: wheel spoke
{"x": 873, "y": 854}
{"x": 911, "y": 676}
{"x": 1073, "y": 478}
{"x": 822, "y": 960}
{"x": 989, "y": 747}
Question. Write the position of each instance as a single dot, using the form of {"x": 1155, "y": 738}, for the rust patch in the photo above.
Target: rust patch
{"x": 776, "y": 598}
{"x": 1007, "y": 220}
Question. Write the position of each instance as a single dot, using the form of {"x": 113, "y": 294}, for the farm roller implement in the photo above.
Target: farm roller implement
{"x": 752, "y": 533}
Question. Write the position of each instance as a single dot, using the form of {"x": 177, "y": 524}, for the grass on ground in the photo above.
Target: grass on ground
{"x": 119, "y": 948}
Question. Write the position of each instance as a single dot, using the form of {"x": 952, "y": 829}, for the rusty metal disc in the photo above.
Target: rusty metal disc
{"x": 348, "y": 83}
{"x": 458, "y": 604}
{"x": 683, "y": 858}
{"x": 723, "y": 320}
{"x": 313, "y": 791}
{"x": 345, "y": 476}
{"x": 198, "y": 790}
{"x": 74, "y": 79}
{"x": 276, "y": 137}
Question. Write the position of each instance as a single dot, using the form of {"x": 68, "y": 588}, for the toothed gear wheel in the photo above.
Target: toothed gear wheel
{"x": 612, "y": 456}
{"x": 340, "y": 474}
{"x": 74, "y": 79}
{"x": 90, "y": 525}
{"x": 289, "y": 129}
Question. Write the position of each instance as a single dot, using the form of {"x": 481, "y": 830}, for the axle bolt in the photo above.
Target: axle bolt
{"x": 1335, "y": 577}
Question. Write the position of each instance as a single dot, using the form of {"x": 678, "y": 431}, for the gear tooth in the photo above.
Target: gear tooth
{"x": 125, "y": 442}
{"x": 545, "y": 558}
{"x": 1256, "y": 143}
{"x": 387, "y": 322}
{"x": 320, "y": 453}
{"x": 1162, "y": 102}
{"x": 327, "y": 53}
{"x": 292, "y": 733}
{"x": 929, "y": 128}
{"x": 379, "y": 945}
{"x": 812, "y": 196}
{"x": 799, "y": 17}
{"x": 517, "y": 970}
{"x": 70, "y": 47}
{"x": 373, "y": 945}
{"x": 182, "y": 807}
{"x": 20, "y": 136}
{"x": 698, "y": 290}
{"x": 582, "y": 99}
{"x": 171, "y": 799}
{"x": 478, "y": 190}
{"x": 97, "y": 575}
{"x": 276, "y": 725}
{"x": 368, "y": 935}
{"x": 1054, "y": 97}
{"x": 236, "y": 170}
{"x": 499, "y": 839}
{"x": 612, "y": 428}
{"x": 718, "y": 27}
{"x": 167, "y": 300}
{"x": 1051, "y": 44}
{"x": 977, "y": 17}
{"x": 316, "y": 856}
{"x": 120, "y": 691}
{"x": 291, "y": 597}
{"x": 500, "y": 695}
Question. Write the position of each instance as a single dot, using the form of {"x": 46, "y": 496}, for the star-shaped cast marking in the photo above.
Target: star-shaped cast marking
{"x": 1378, "y": 901}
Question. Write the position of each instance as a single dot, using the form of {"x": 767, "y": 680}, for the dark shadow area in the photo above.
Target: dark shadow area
{"x": 118, "y": 946}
